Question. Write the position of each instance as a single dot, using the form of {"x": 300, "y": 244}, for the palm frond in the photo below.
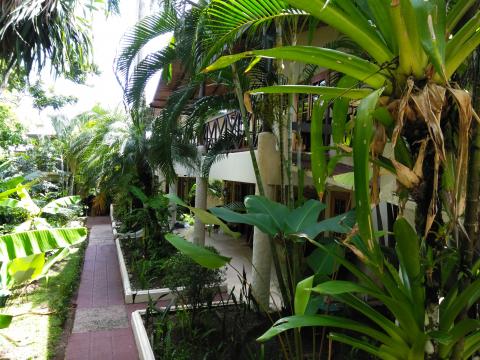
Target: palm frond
{"x": 36, "y": 33}
{"x": 229, "y": 20}
{"x": 148, "y": 67}
{"x": 143, "y": 32}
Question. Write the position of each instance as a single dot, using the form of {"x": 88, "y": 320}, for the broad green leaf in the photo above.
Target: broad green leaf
{"x": 384, "y": 117}
{"x": 341, "y": 224}
{"x": 11, "y": 183}
{"x": 336, "y": 287}
{"x": 361, "y": 154}
{"x": 348, "y": 64}
{"x": 33, "y": 242}
{"x": 323, "y": 263}
{"x": 402, "y": 311}
{"x": 408, "y": 251}
{"x": 356, "y": 343}
{"x": 462, "y": 36}
{"x": 401, "y": 14}
{"x": 26, "y": 201}
{"x": 456, "y": 13}
{"x": 347, "y": 24}
{"x": 340, "y": 110}
{"x": 199, "y": 254}
{"x": 347, "y": 179}
{"x": 59, "y": 205}
{"x": 392, "y": 329}
{"x": 456, "y": 59}
{"x": 5, "y": 321}
{"x": 431, "y": 24}
{"x": 59, "y": 255}
{"x": 304, "y": 216}
{"x": 461, "y": 329}
{"x": 299, "y": 321}
{"x": 472, "y": 345}
{"x": 381, "y": 14}
{"x": 158, "y": 202}
{"x": 465, "y": 299}
{"x": 302, "y": 295}
{"x": 7, "y": 202}
{"x": 325, "y": 92}
{"x": 319, "y": 157}
{"x": 204, "y": 216}
{"x": 262, "y": 221}
{"x": 260, "y": 205}
{"x": 21, "y": 270}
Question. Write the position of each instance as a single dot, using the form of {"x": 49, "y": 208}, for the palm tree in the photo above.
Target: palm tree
{"x": 114, "y": 151}
{"x": 34, "y": 31}
{"x": 412, "y": 49}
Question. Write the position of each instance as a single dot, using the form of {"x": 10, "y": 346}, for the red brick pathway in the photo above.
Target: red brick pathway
{"x": 101, "y": 329}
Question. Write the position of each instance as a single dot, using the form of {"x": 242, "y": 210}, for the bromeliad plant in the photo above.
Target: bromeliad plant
{"x": 407, "y": 330}
{"x": 412, "y": 49}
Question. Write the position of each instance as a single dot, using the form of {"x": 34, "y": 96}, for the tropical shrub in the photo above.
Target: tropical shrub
{"x": 409, "y": 101}
{"x": 200, "y": 284}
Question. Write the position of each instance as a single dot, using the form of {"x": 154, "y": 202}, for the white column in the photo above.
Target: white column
{"x": 172, "y": 190}
{"x": 200, "y": 202}
{"x": 262, "y": 256}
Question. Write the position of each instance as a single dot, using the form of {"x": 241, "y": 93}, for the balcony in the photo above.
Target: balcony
{"x": 229, "y": 129}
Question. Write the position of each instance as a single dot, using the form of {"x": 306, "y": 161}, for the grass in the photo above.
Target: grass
{"x": 40, "y": 312}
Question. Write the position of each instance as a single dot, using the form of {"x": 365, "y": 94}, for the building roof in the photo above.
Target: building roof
{"x": 179, "y": 78}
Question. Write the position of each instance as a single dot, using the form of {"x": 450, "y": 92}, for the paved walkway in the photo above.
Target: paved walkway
{"x": 101, "y": 329}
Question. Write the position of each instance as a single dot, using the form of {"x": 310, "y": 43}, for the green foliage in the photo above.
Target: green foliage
{"x": 43, "y": 99}
{"x": 204, "y": 216}
{"x": 402, "y": 296}
{"x": 201, "y": 255}
{"x": 34, "y": 31}
{"x": 44, "y": 332}
{"x": 11, "y": 130}
{"x": 200, "y": 284}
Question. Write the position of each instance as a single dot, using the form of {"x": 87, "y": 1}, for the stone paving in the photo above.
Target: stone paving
{"x": 101, "y": 329}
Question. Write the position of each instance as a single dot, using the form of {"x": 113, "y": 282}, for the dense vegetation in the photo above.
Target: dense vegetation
{"x": 402, "y": 91}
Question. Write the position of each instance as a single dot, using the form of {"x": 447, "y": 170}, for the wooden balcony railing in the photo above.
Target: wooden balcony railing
{"x": 229, "y": 129}
{"x": 230, "y": 126}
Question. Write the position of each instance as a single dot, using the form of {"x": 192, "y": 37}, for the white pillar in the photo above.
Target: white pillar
{"x": 262, "y": 255}
{"x": 172, "y": 190}
{"x": 200, "y": 202}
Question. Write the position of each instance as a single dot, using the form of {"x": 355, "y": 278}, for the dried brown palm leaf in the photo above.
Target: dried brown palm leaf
{"x": 429, "y": 103}
{"x": 405, "y": 175}
{"x": 401, "y": 111}
{"x": 418, "y": 167}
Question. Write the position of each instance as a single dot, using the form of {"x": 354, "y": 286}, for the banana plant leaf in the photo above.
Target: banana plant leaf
{"x": 23, "y": 244}
{"x": 59, "y": 205}
{"x": 21, "y": 270}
